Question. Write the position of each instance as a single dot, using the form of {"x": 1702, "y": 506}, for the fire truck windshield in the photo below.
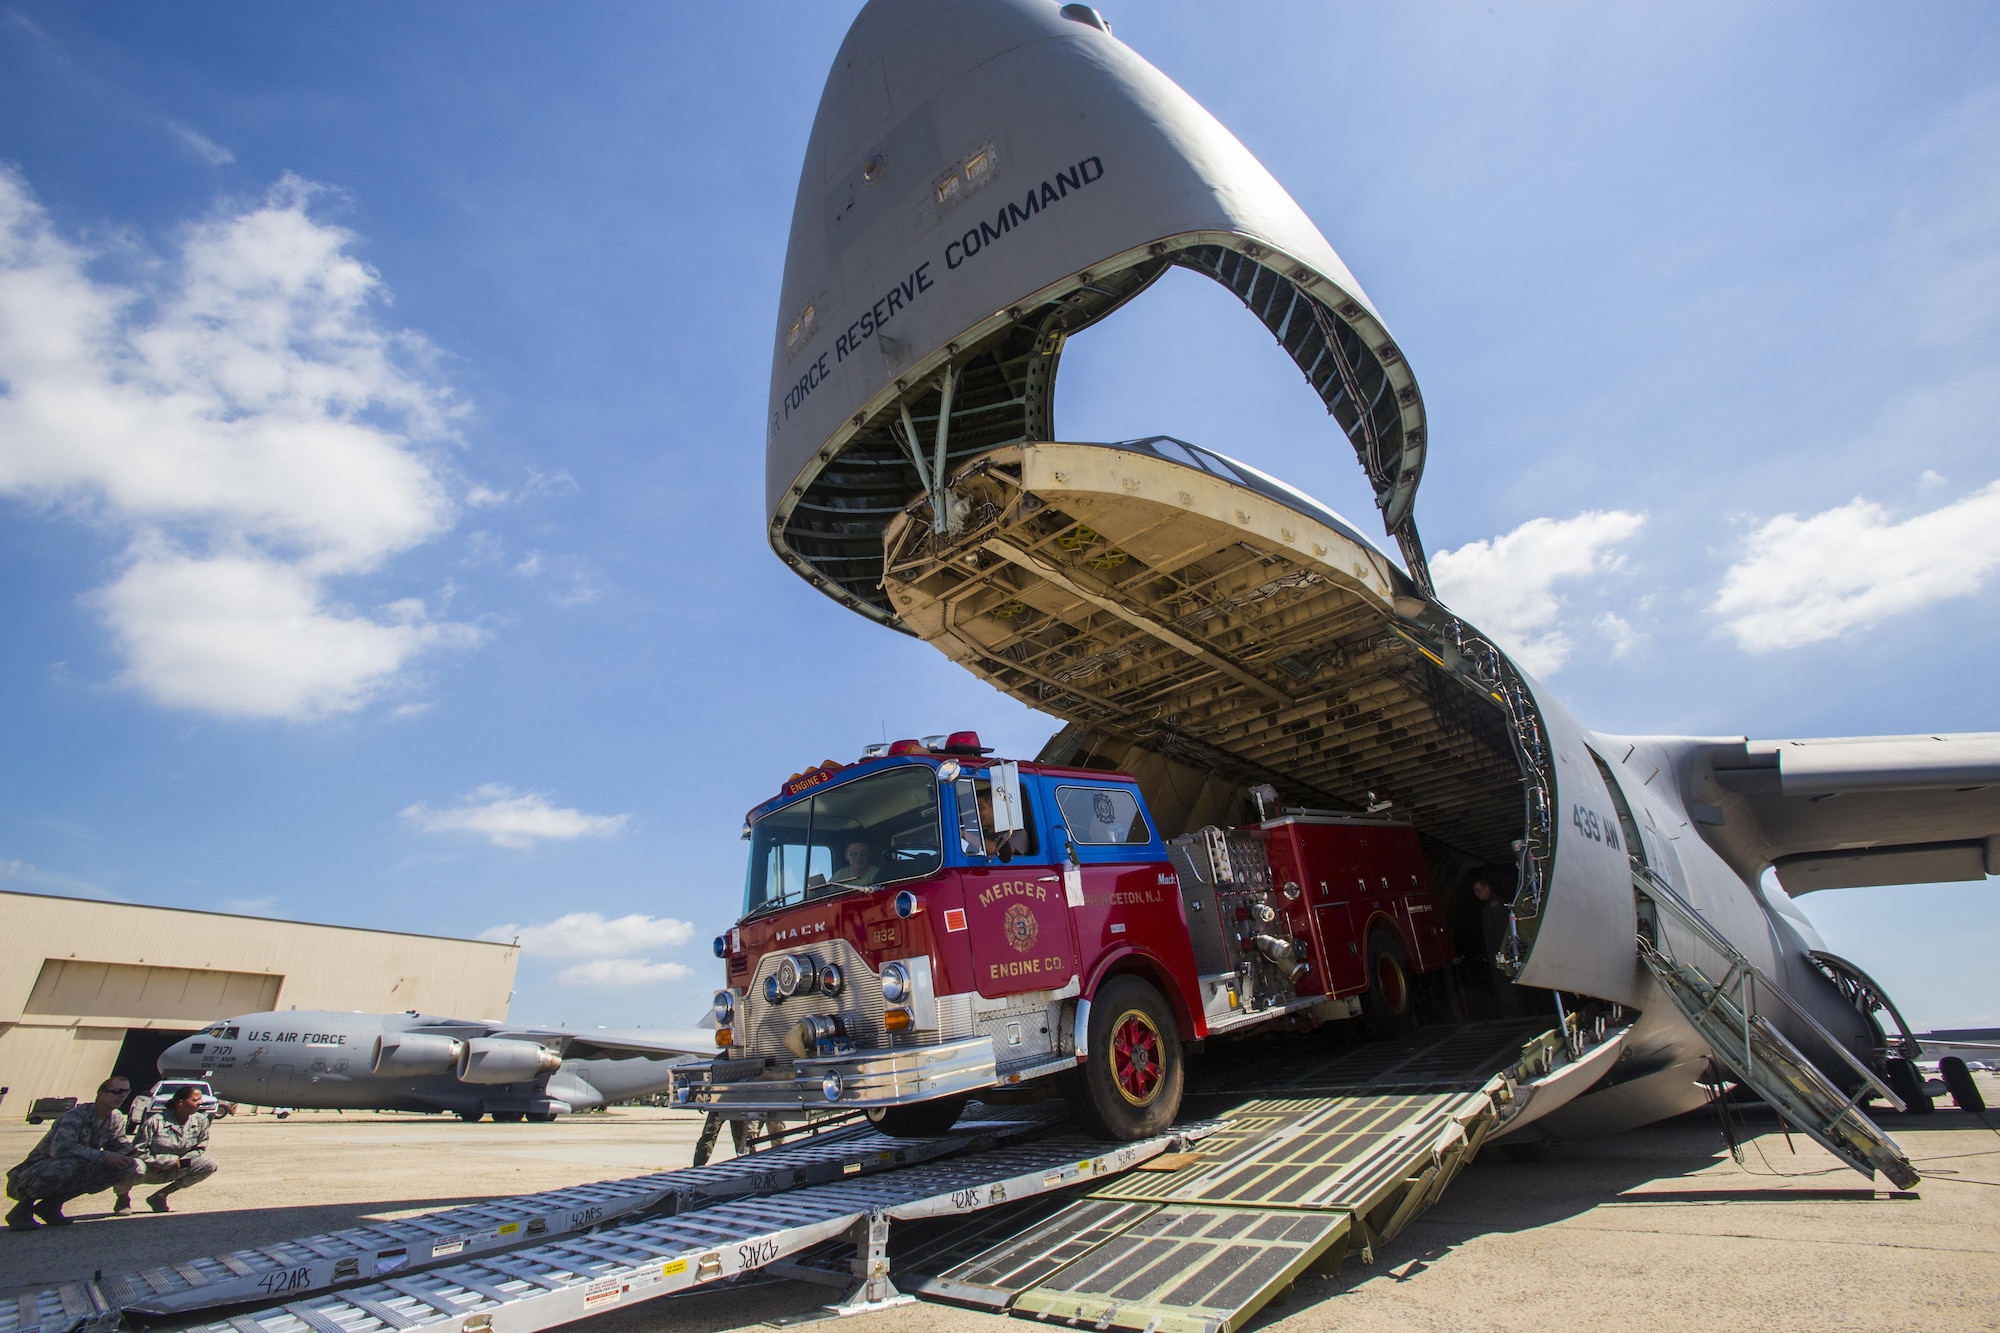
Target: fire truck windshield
{"x": 881, "y": 829}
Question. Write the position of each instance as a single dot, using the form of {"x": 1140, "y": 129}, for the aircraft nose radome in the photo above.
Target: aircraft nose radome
{"x": 978, "y": 178}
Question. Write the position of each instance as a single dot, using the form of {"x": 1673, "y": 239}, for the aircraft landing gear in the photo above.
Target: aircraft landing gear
{"x": 471, "y": 1117}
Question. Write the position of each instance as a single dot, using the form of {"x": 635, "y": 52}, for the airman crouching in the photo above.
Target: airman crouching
{"x": 86, "y": 1151}
{"x": 173, "y": 1150}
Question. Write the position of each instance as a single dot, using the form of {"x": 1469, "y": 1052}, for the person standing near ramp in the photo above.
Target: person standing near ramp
{"x": 86, "y": 1151}
{"x": 172, "y": 1150}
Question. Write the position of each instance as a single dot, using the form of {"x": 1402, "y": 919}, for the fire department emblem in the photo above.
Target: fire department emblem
{"x": 1018, "y": 925}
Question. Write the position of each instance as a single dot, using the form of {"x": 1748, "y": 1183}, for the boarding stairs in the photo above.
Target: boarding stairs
{"x": 1192, "y": 1231}
{"x": 1750, "y": 1047}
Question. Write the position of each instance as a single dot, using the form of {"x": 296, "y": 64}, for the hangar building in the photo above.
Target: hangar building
{"x": 88, "y": 988}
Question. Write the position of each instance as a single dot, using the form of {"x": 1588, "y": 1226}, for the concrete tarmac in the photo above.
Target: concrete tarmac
{"x": 1657, "y": 1228}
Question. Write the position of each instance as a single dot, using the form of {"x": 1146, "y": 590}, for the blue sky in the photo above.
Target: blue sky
{"x": 1705, "y": 303}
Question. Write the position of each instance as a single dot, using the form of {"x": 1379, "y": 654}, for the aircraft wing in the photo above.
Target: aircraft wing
{"x": 1843, "y": 812}
{"x": 616, "y": 1044}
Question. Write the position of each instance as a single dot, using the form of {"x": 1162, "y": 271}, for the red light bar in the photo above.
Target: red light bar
{"x": 907, "y": 747}
{"x": 965, "y": 742}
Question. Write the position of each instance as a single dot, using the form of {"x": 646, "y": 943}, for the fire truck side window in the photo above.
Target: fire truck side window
{"x": 876, "y": 830}
{"x": 1103, "y": 815}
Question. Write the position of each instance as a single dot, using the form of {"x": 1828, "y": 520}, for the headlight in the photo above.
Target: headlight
{"x": 829, "y": 1086}
{"x": 831, "y": 979}
{"x": 725, "y": 1008}
{"x": 722, "y": 946}
{"x": 771, "y": 989}
{"x": 895, "y": 983}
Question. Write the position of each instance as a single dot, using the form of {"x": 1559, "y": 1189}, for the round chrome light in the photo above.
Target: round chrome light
{"x": 787, "y": 977}
{"x": 908, "y": 904}
{"x": 831, "y": 979}
{"x": 722, "y": 946}
{"x": 771, "y": 992}
{"x": 948, "y": 770}
{"x": 895, "y": 983}
{"x": 830, "y": 1086}
{"x": 725, "y": 1008}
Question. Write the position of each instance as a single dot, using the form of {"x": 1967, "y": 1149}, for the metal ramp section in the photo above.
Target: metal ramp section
{"x": 312, "y": 1264}
{"x": 543, "y": 1286}
{"x": 1756, "y": 1053}
{"x": 1199, "y": 1241}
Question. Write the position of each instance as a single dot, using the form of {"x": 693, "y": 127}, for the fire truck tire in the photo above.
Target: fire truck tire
{"x": 1130, "y": 1087}
{"x": 918, "y": 1120}
{"x": 1389, "y": 1008}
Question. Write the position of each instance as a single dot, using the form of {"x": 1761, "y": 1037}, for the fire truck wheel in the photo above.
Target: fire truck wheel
{"x": 1130, "y": 1087}
{"x": 918, "y": 1120}
{"x": 1389, "y": 1008}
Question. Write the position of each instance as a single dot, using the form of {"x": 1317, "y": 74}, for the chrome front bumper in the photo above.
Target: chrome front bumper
{"x": 859, "y": 1080}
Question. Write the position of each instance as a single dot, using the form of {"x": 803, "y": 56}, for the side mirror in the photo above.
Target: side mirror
{"x": 1009, "y": 811}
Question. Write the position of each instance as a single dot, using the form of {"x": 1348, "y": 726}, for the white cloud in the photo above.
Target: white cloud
{"x": 1624, "y": 639}
{"x": 508, "y": 818}
{"x": 621, "y": 973}
{"x": 1803, "y": 580}
{"x": 246, "y": 422}
{"x": 203, "y": 147}
{"x": 607, "y": 943}
{"x": 33, "y": 879}
{"x": 593, "y": 935}
{"x": 1507, "y": 586}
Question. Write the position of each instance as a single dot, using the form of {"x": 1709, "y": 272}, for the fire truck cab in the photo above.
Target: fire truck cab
{"x": 929, "y": 921}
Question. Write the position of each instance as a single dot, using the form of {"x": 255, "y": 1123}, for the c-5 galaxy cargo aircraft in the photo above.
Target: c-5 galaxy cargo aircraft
{"x": 988, "y": 178}
{"x": 310, "y": 1060}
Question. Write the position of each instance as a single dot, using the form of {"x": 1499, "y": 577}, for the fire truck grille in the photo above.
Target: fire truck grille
{"x": 859, "y": 1004}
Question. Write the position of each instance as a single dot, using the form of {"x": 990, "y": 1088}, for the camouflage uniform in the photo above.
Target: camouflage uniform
{"x": 70, "y": 1158}
{"x": 174, "y": 1155}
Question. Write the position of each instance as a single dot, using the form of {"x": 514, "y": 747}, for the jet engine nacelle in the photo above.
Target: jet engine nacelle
{"x": 400, "y": 1053}
{"x": 499, "y": 1060}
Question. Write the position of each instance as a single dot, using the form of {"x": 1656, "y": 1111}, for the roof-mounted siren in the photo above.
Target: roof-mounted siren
{"x": 980, "y": 184}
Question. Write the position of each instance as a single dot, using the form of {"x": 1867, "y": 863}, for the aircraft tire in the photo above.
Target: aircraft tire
{"x": 1130, "y": 1087}
{"x": 1909, "y": 1085}
{"x": 1389, "y": 1008}
{"x": 471, "y": 1117}
{"x": 918, "y": 1120}
{"x": 542, "y": 1117}
{"x": 1958, "y": 1082}
{"x": 506, "y": 1117}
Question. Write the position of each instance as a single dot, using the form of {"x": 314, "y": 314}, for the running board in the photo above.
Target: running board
{"x": 1757, "y": 1054}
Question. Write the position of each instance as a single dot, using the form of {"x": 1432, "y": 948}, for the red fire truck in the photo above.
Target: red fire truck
{"x": 929, "y": 921}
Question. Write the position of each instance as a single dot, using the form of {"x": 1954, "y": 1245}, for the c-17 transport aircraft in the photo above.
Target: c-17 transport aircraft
{"x": 987, "y": 178}
{"x": 312, "y": 1060}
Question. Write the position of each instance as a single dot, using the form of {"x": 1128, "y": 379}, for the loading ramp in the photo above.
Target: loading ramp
{"x": 300, "y": 1268}
{"x": 1193, "y": 1230}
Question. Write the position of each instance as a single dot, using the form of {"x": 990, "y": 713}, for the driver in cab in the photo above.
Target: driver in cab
{"x": 863, "y": 866}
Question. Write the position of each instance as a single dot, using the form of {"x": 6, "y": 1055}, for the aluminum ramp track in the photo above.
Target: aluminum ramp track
{"x": 312, "y": 1264}
{"x": 1287, "y": 1185}
{"x": 1756, "y": 1053}
{"x": 556, "y": 1283}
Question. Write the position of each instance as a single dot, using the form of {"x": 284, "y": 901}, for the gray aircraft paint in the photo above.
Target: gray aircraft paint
{"x": 886, "y": 283}
{"x": 329, "y": 1059}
